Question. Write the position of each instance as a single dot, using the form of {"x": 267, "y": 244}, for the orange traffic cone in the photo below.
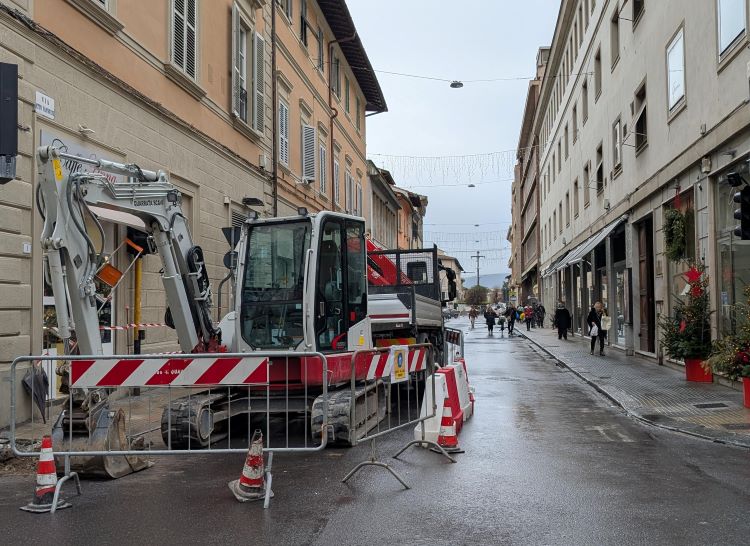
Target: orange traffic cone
{"x": 252, "y": 483}
{"x": 46, "y": 482}
{"x": 447, "y": 438}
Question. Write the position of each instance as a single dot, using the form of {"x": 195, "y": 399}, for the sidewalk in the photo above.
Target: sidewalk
{"x": 656, "y": 394}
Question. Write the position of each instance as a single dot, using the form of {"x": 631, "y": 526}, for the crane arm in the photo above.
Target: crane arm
{"x": 72, "y": 260}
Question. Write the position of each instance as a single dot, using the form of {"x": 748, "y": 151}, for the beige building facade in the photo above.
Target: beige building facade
{"x": 644, "y": 107}
{"x": 183, "y": 86}
{"x": 325, "y": 87}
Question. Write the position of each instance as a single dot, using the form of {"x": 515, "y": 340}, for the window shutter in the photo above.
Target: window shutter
{"x": 235, "y": 60}
{"x": 178, "y": 33}
{"x": 308, "y": 153}
{"x": 283, "y": 133}
{"x": 336, "y": 188}
{"x": 349, "y": 196}
{"x": 323, "y": 165}
{"x": 360, "y": 205}
{"x": 190, "y": 35}
{"x": 259, "y": 83}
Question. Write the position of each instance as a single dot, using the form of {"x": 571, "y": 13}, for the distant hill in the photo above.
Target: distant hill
{"x": 490, "y": 280}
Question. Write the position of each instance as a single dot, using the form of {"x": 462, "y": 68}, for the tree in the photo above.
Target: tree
{"x": 476, "y": 295}
{"x": 687, "y": 333}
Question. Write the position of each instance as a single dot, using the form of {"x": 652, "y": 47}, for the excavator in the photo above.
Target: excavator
{"x": 301, "y": 284}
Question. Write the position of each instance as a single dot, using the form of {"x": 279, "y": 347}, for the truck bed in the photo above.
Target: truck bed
{"x": 398, "y": 308}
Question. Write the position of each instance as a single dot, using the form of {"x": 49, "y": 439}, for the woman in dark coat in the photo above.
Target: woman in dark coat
{"x": 595, "y": 319}
{"x": 490, "y": 316}
{"x": 562, "y": 320}
{"x": 510, "y": 312}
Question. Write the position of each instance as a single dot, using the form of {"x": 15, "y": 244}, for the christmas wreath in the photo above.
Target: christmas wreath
{"x": 675, "y": 237}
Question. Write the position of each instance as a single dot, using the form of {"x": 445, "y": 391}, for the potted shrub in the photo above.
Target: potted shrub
{"x": 731, "y": 354}
{"x": 686, "y": 335}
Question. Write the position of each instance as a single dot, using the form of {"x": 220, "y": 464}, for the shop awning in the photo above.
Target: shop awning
{"x": 553, "y": 267}
{"x": 118, "y": 217}
{"x": 583, "y": 250}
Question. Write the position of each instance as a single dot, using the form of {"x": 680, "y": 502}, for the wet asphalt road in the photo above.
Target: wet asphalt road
{"x": 548, "y": 461}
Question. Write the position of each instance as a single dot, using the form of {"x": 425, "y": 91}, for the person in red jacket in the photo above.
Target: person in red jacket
{"x": 528, "y": 316}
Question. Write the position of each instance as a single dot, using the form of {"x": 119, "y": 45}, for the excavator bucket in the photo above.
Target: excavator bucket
{"x": 99, "y": 429}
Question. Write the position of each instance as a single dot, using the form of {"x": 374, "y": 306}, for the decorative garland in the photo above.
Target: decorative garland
{"x": 674, "y": 234}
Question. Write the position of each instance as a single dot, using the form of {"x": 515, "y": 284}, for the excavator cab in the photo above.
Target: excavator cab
{"x": 304, "y": 282}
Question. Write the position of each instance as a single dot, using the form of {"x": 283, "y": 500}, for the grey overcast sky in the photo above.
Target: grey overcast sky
{"x": 465, "y": 40}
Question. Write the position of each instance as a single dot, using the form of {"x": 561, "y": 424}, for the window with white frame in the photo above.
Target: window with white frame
{"x": 732, "y": 22}
{"x": 641, "y": 119}
{"x": 617, "y": 145}
{"x": 323, "y": 168}
{"x": 335, "y": 82}
{"x": 184, "y": 22}
{"x": 349, "y": 191}
{"x": 346, "y": 94}
{"x": 286, "y": 5}
{"x": 614, "y": 35}
{"x": 308, "y": 153}
{"x": 248, "y": 74}
{"x": 336, "y": 183}
{"x": 360, "y": 205}
{"x": 597, "y": 74}
{"x": 676, "y": 70}
{"x": 358, "y": 114}
{"x": 303, "y": 24}
{"x": 283, "y": 133}
{"x": 321, "y": 50}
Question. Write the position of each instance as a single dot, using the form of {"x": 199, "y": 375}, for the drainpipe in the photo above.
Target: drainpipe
{"x": 275, "y": 116}
{"x": 334, "y": 112}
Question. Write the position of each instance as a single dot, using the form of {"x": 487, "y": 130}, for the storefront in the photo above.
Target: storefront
{"x": 732, "y": 253}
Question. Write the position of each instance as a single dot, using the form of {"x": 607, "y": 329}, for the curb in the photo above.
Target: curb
{"x": 628, "y": 412}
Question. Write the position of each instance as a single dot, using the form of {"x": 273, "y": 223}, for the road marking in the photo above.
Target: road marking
{"x": 611, "y": 433}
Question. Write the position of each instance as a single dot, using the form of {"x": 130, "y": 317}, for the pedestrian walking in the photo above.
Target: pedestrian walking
{"x": 528, "y": 316}
{"x": 489, "y": 317}
{"x": 562, "y": 320}
{"x": 473, "y": 314}
{"x": 540, "y": 313}
{"x": 511, "y": 313}
{"x": 596, "y": 331}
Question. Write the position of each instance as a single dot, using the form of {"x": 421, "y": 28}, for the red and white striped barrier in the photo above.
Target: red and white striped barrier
{"x": 418, "y": 359}
{"x": 380, "y": 363}
{"x": 379, "y": 366}
{"x": 135, "y": 372}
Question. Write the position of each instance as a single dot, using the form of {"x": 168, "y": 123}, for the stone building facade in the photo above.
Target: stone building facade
{"x": 185, "y": 87}
{"x": 644, "y": 107}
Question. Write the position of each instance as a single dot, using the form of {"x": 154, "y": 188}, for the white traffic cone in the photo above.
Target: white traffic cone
{"x": 46, "y": 482}
{"x": 252, "y": 483}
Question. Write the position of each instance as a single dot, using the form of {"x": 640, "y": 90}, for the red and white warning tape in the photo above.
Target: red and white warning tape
{"x": 131, "y": 326}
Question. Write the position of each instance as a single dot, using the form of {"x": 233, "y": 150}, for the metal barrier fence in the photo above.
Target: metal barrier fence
{"x": 390, "y": 398}
{"x": 126, "y": 407}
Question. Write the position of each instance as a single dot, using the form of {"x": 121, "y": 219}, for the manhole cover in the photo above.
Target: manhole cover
{"x": 711, "y": 405}
{"x": 736, "y": 426}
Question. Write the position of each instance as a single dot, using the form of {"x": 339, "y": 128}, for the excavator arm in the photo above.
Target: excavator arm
{"x": 72, "y": 260}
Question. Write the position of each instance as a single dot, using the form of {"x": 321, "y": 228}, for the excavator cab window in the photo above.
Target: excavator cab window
{"x": 341, "y": 284}
{"x": 272, "y": 288}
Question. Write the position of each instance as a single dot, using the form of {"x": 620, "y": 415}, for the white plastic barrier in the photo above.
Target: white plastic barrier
{"x": 464, "y": 398}
{"x": 432, "y": 425}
